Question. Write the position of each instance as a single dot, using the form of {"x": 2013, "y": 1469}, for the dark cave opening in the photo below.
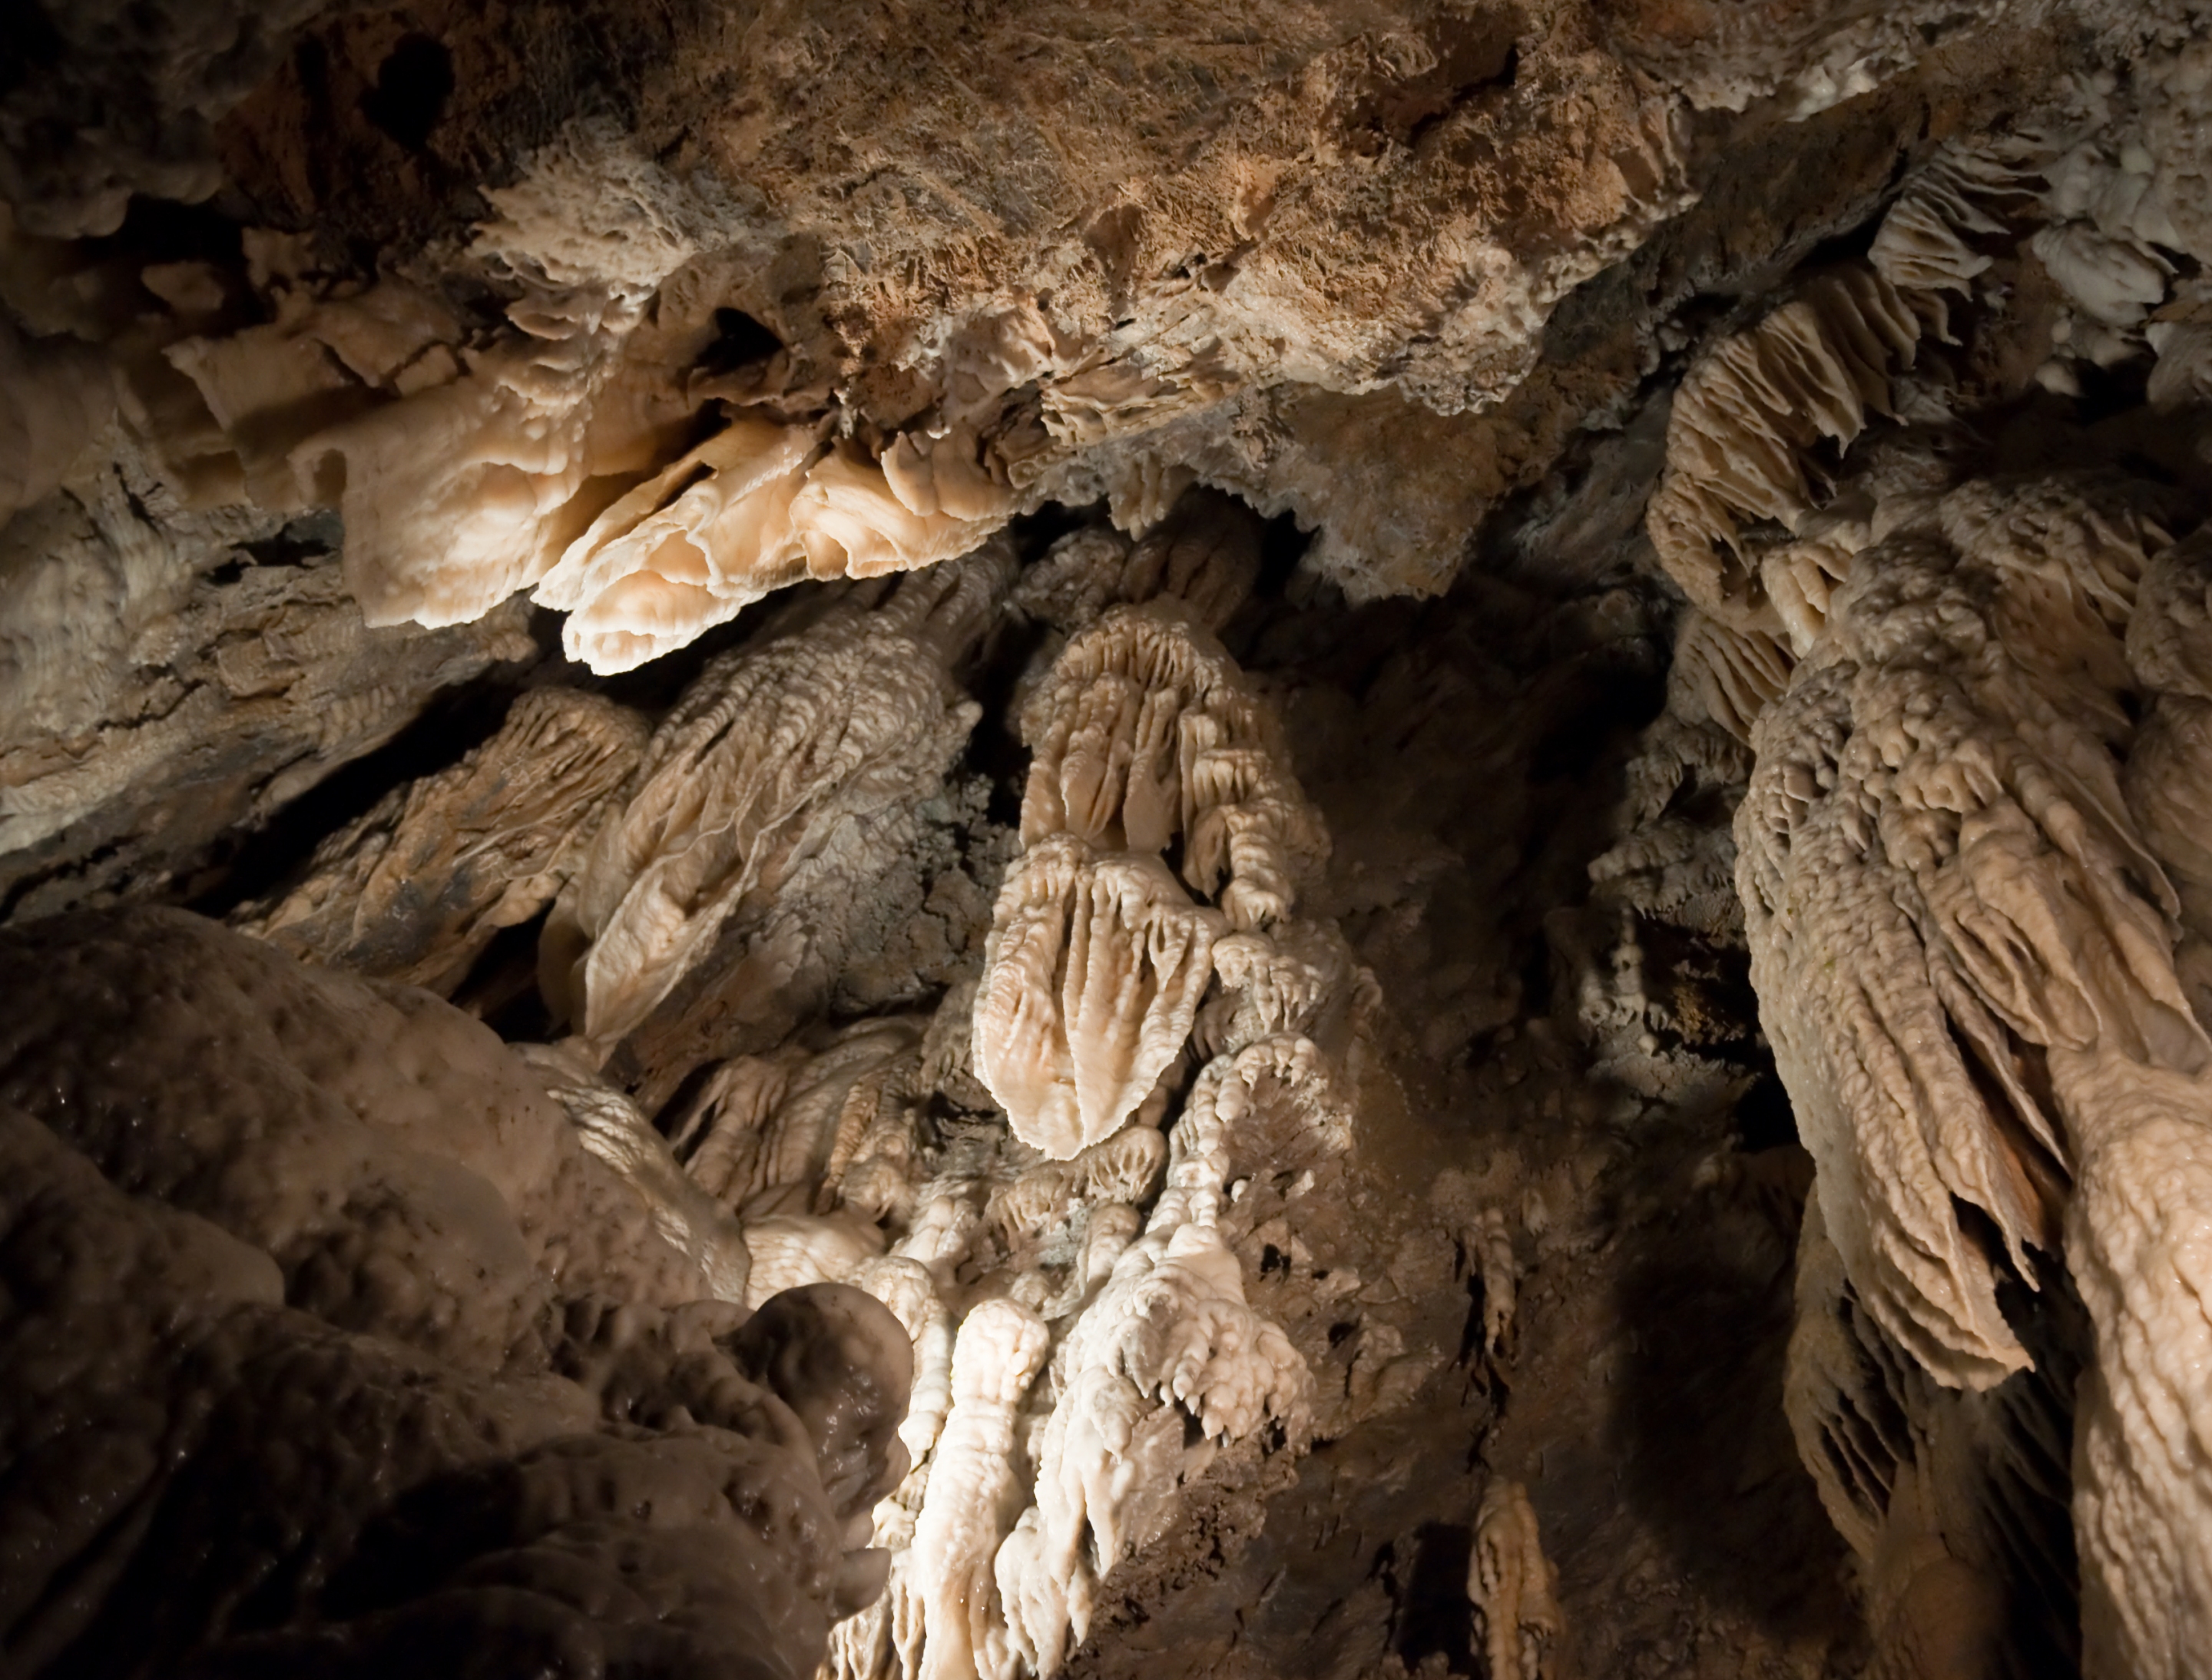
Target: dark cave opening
{"x": 413, "y": 86}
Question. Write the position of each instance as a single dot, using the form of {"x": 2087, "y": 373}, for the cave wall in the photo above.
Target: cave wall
{"x": 1361, "y": 745}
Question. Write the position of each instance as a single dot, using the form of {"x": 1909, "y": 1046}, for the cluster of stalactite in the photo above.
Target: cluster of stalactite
{"x": 1966, "y": 856}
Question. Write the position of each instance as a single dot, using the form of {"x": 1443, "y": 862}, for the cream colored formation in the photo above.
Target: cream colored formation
{"x": 568, "y": 430}
{"x": 1098, "y": 1291}
{"x": 1058, "y": 1181}
{"x": 1967, "y": 869}
{"x": 1143, "y": 738}
{"x": 1091, "y": 985}
{"x": 550, "y": 459}
{"x": 1963, "y": 712}
{"x": 417, "y": 888}
{"x": 748, "y": 776}
{"x": 1513, "y": 1587}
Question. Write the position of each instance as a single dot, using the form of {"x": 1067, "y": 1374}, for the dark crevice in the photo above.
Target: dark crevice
{"x": 412, "y": 87}
{"x": 256, "y": 864}
{"x": 739, "y": 341}
{"x": 1764, "y": 1118}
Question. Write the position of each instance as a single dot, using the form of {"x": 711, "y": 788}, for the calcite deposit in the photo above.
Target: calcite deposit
{"x": 1302, "y": 842}
{"x": 331, "y": 1345}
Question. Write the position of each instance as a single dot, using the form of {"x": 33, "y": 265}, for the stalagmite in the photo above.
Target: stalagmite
{"x": 1088, "y": 1001}
{"x": 904, "y": 1286}
{"x": 1091, "y": 979}
{"x": 976, "y": 1490}
{"x": 1169, "y": 1334}
{"x": 1513, "y": 1587}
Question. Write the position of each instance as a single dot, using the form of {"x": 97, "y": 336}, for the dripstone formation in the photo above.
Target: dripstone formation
{"x": 924, "y": 842}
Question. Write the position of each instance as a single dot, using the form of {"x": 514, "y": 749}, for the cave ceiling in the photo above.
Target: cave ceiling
{"x": 932, "y": 841}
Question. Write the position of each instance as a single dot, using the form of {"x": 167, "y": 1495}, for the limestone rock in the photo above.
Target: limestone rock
{"x": 327, "y": 1260}
{"x": 415, "y": 889}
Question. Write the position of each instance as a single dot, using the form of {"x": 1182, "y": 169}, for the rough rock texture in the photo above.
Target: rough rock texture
{"x": 171, "y": 678}
{"x": 329, "y": 1345}
{"x": 415, "y": 890}
{"x": 768, "y": 756}
{"x": 1420, "y": 785}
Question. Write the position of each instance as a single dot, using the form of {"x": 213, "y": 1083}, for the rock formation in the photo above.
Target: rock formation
{"x": 333, "y": 1346}
{"x": 932, "y": 844}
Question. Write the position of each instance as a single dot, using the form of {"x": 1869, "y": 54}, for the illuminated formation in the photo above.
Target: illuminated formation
{"x": 951, "y": 842}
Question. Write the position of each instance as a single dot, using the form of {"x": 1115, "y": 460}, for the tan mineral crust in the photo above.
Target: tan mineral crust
{"x": 933, "y": 840}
